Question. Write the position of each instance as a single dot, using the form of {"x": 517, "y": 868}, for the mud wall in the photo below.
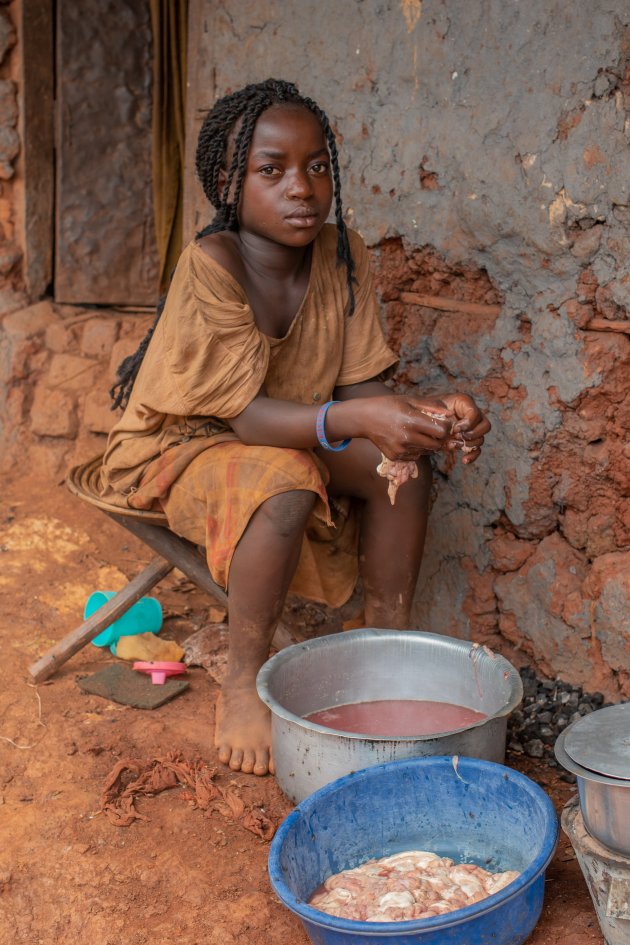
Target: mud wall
{"x": 485, "y": 159}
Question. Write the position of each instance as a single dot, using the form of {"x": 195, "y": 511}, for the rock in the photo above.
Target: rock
{"x": 549, "y": 705}
{"x": 10, "y": 254}
{"x": 532, "y": 599}
{"x": 208, "y": 648}
{"x": 98, "y": 416}
{"x": 27, "y": 322}
{"x": 607, "y": 588}
{"x": 53, "y": 413}
{"x": 69, "y": 372}
{"x": 58, "y": 338}
{"x": 99, "y": 337}
{"x": 534, "y": 748}
{"x": 586, "y": 243}
{"x": 509, "y": 553}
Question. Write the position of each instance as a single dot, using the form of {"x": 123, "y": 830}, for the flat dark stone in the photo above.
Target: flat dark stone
{"x": 120, "y": 683}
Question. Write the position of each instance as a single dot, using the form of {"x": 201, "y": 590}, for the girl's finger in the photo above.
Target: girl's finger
{"x": 471, "y": 457}
{"x": 475, "y": 442}
{"x": 465, "y": 445}
{"x": 480, "y": 429}
{"x": 461, "y": 425}
{"x": 434, "y": 427}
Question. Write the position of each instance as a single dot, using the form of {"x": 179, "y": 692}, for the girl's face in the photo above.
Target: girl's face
{"x": 287, "y": 189}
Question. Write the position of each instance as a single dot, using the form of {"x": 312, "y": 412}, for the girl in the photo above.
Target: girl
{"x": 259, "y": 413}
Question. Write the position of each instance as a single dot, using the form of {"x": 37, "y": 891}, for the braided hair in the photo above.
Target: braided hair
{"x": 245, "y": 106}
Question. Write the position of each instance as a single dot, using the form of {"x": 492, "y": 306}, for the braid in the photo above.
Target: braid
{"x": 244, "y": 106}
{"x": 128, "y": 368}
{"x": 343, "y": 243}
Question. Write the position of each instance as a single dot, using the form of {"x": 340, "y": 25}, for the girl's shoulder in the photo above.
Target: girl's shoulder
{"x": 214, "y": 264}
{"x": 221, "y": 249}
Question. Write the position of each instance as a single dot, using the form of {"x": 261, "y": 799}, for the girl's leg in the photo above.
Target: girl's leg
{"x": 262, "y": 567}
{"x": 392, "y": 537}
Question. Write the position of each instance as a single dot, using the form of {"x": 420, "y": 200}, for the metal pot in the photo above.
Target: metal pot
{"x": 368, "y": 665}
{"x": 596, "y": 748}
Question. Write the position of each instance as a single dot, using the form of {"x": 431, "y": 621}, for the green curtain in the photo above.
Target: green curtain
{"x": 169, "y": 20}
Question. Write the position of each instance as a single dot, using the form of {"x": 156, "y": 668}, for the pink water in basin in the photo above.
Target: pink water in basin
{"x": 397, "y": 717}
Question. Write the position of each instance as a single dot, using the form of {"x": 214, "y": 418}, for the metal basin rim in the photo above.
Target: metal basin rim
{"x": 449, "y": 643}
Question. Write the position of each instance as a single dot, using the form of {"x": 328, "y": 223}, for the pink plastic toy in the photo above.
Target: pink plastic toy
{"x": 158, "y": 671}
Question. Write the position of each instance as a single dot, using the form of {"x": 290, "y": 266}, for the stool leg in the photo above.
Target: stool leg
{"x": 180, "y": 551}
{"x": 50, "y": 662}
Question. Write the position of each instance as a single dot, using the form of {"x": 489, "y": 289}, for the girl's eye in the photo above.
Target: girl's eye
{"x": 269, "y": 170}
{"x": 320, "y": 168}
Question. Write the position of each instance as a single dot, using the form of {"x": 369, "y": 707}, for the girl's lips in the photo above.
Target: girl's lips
{"x": 301, "y": 222}
{"x": 302, "y": 217}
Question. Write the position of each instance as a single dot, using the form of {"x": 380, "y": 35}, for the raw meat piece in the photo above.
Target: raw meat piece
{"x": 399, "y": 471}
{"x": 414, "y": 884}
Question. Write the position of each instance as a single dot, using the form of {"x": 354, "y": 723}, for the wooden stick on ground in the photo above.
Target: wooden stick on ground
{"x": 104, "y": 616}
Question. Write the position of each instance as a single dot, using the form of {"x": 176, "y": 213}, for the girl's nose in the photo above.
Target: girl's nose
{"x": 299, "y": 185}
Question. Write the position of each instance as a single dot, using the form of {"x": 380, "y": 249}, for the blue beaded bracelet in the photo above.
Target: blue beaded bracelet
{"x": 321, "y": 434}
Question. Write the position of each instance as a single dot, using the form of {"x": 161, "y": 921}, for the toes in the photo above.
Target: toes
{"x": 262, "y": 765}
{"x": 249, "y": 762}
{"x": 225, "y": 753}
{"x": 272, "y": 767}
{"x": 236, "y": 760}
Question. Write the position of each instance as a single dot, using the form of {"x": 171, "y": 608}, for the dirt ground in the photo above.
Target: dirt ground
{"x": 182, "y": 875}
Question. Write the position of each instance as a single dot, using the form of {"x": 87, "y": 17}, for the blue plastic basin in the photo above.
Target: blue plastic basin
{"x": 471, "y": 810}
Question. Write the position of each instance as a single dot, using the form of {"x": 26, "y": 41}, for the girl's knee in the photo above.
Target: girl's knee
{"x": 417, "y": 491}
{"x": 288, "y": 512}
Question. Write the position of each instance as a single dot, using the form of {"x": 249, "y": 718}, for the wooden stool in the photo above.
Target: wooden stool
{"x": 151, "y": 528}
{"x": 173, "y": 551}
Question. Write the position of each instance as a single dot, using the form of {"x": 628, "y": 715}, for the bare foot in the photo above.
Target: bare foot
{"x": 243, "y": 731}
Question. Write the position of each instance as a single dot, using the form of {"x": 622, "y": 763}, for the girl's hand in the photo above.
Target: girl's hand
{"x": 405, "y": 427}
{"x": 469, "y": 427}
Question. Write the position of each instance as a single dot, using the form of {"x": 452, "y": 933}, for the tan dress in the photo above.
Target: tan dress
{"x": 207, "y": 361}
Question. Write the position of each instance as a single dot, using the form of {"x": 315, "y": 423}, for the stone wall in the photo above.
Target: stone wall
{"x": 58, "y": 363}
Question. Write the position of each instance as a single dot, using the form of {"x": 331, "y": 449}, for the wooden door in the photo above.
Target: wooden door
{"x": 105, "y": 247}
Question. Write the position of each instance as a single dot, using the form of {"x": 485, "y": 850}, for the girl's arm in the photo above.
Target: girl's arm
{"x": 468, "y": 427}
{"x": 395, "y": 423}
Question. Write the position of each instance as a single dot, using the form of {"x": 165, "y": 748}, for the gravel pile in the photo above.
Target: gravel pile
{"x": 547, "y": 708}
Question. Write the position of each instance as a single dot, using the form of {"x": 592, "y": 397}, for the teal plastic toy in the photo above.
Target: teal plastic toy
{"x": 145, "y": 616}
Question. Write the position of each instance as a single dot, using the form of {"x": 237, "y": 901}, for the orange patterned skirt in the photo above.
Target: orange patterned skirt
{"x": 212, "y": 499}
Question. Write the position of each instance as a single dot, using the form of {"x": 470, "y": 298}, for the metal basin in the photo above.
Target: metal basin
{"x": 604, "y": 799}
{"x": 367, "y": 665}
